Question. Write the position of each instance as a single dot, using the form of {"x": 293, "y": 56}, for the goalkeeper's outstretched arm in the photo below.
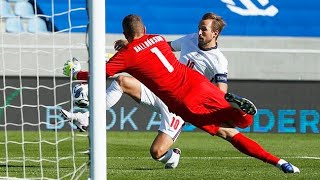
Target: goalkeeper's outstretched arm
{"x": 73, "y": 68}
{"x": 82, "y": 75}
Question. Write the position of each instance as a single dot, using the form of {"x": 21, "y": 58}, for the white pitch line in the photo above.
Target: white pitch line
{"x": 195, "y": 158}
{"x": 214, "y": 158}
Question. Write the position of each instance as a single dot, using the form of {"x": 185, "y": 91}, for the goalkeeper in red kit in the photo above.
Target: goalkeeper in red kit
{"x": 186, "y": 92}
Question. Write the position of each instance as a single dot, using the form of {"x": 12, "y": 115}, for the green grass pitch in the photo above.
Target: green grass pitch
{"x": 203, "y": 156}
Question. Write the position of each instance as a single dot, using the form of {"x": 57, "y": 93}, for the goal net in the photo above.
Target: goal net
{"x": 36, "y": 38}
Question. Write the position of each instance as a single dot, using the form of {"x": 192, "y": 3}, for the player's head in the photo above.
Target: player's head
{"x": 209, "y": 28}
{"x": 133, "y": 27}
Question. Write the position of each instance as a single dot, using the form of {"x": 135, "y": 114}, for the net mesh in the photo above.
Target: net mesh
{"x": 35, "y": 142}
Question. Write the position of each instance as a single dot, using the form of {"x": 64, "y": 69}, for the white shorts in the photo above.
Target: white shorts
{"x": 171, "y": 124}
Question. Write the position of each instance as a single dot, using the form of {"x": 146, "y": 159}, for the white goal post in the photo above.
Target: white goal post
{"x": 97, "y": 86}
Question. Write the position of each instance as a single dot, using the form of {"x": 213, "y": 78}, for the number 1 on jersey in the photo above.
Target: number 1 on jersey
{"x": 163, "y": 59}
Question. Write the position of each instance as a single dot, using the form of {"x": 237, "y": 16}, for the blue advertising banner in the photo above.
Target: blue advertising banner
{"x": 283, "y": 107}
{"x": 243, "y": 17}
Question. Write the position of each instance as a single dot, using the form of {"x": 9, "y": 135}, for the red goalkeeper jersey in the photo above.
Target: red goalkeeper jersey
{"x": 185, "y": 91}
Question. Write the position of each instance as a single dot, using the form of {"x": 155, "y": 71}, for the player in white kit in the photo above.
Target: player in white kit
{"x": 209, "y": 62}
{"x": 199, "y": 51}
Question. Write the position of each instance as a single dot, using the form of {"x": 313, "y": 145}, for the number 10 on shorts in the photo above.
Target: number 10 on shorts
{"x": 175, "y": 123}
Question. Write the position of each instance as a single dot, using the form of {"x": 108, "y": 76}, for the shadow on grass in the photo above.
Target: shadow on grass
{"x": 146, "y": 169}
{"x": 18, "y": 166}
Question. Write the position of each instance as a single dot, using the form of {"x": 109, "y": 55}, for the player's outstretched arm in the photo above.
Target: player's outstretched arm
{"x": 71, "y": 68}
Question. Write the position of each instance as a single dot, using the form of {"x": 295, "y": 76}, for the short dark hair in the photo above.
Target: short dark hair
{"x": 132, "y": 24}
{"x": 218, "y": 23}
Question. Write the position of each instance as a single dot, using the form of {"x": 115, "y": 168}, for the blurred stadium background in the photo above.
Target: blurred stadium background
{"x": 273, "y": 49}
{"x": 273, "y": 57}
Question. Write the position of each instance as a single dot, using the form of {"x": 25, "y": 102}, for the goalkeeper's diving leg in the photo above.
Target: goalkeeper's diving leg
{"x": 160, "y": 149}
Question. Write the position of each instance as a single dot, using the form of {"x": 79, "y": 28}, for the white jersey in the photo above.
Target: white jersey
{"x": 211, "y": 63}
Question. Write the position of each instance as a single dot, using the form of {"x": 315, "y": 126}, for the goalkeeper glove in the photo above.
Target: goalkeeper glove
{"x": 71, "y": 68}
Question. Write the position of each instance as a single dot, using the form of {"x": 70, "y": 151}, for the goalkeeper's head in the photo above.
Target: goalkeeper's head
{"x": 133, "y": 27}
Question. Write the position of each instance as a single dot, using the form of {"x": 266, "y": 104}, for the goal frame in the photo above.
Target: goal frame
{"x": 97, "y": 86}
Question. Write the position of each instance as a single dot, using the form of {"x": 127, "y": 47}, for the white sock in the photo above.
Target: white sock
{"x": 280, "y": 162}
{"x": 86, "y": 114}
{"x": 164, "y": 159}
{"x": 174, "y": 158}
{"x": 114, "y": 93}
{"x": 169, "y": 157}
{"x": 83, "y": 118}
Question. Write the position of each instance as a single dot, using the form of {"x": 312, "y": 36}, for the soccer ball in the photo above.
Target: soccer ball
{"x": 80, "y": 95}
